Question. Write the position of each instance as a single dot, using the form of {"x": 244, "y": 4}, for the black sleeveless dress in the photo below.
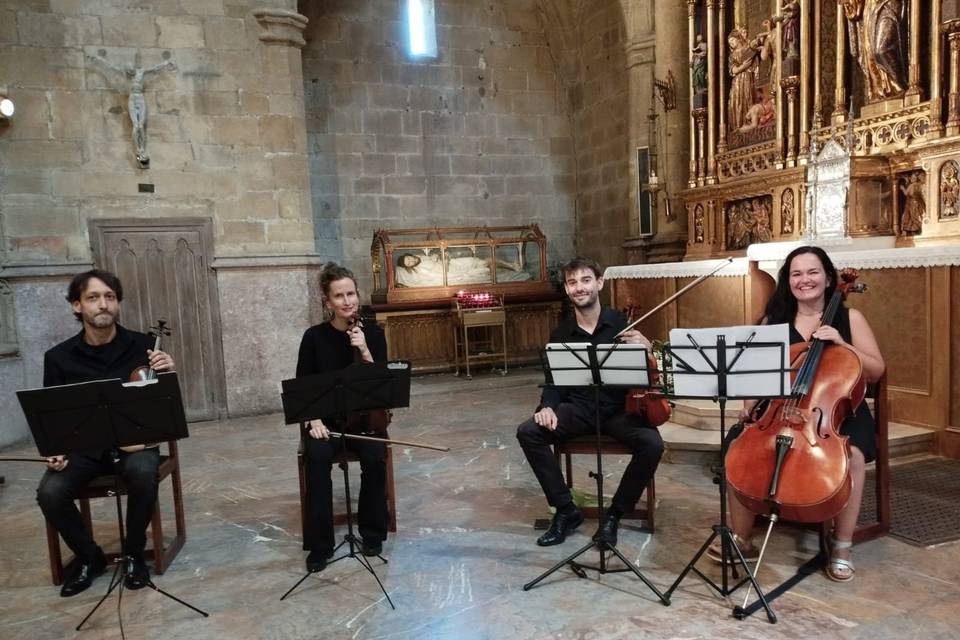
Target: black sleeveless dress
{"x": 859, "y": 427}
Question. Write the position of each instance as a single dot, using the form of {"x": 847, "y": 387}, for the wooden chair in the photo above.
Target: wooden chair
{"x": 881, "y": 414}
{"x": 162, "y": 552}
{"x": 341, "y": 518}
{"x": 587, "y": 445}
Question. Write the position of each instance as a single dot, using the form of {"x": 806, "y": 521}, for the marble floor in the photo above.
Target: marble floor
{"x": 463, "y": 549}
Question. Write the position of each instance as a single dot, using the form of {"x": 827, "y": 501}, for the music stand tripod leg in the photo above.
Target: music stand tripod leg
{"x": 122, "y": 561}
{"x": 349, "y": 539}
{"x": 600, "y": 545}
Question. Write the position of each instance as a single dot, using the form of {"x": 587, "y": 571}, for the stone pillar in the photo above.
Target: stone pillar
{"x": 840, "y": 98}
{"x": 817, "y": 104}
{"x": 691, "y": 42}
{"x": 936, "y": 100}
{"x": 716, "y": 100}
{"x": 777, "y": 80}
{"x": 805, "y": 54}
{"x": 953, "y": 106}
{"x": 641, "y": 54}
{"x": 722, "y": 93}
{"x": 913, "y": 94}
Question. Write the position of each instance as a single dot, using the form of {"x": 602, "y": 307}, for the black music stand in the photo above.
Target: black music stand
{"x": 596, "y": 366}
{"x": 716, "y": 366}
{"x": 107, "y": 414}
{"x": 357, "y": 387}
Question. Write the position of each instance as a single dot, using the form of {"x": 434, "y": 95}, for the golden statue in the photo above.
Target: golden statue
{"x": 878, "y": 41}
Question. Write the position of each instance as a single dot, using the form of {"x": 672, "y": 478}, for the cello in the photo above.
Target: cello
{"x": 792, "y": 461}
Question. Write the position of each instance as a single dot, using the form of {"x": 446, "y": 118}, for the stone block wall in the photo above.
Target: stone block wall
{"x": 602, "y": 134}
{"x": 223, "y": 128}
{"x": 479, "y": 135}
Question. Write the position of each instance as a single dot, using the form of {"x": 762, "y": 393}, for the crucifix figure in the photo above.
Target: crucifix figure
{"x": 136, "y": 104}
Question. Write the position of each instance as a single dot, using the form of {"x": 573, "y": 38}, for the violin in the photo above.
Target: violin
{"x": 651, "y": 403}
{"x": 374, "y": 421}
{"x": 145, "y": 372}
{"x": 792, "y": 461}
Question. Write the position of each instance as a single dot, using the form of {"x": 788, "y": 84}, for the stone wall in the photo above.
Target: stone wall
{"x": 479, "y": 135}
{"x": 601, "y": 134}
{"x": 225, "y": 136}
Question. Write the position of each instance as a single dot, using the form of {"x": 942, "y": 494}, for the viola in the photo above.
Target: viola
{"x": 652, "y": 404}
{"x": 145, "y": 372}
{"x": 372, "y": 421}
{"x": 792, "y": 461}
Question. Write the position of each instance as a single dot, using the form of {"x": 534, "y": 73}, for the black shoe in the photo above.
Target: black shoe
{"x": 607, "y": 532}
{"x": 138, "y": 575}
{"x": 371, "y": 549}
{"x": 317, "y": 560}
{"x": 82, "y": 575}
{"x": 560, "y": 526}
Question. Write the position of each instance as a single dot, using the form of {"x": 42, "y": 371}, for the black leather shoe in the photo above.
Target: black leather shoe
{"x": 607, "y": 532}
{"x": 82, "y": 575}
{"x": 138, "y": 575}
{"x": 317, "y": 560}
{"x": 371, "y": 549}
{"x": 560, "y": 526}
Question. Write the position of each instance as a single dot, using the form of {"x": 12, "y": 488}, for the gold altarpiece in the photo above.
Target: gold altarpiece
{"x": 775, "y": 84}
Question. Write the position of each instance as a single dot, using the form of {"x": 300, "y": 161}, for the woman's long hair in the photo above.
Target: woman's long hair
{"x": 782, "y": 305}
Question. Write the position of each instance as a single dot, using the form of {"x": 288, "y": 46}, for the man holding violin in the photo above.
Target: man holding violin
{"x": 567, "y": 413}
{"x": 102, "y": 350}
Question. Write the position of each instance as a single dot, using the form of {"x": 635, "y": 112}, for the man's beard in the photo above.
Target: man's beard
{"x": 590, "y": 301}
{"x": 102, "y": 320}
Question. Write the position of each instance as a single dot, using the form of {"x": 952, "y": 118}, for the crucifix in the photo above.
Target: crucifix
{"x": 136, "y": 104}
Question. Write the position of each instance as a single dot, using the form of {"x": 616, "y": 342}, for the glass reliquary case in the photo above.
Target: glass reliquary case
{"x": 438, "y": 262}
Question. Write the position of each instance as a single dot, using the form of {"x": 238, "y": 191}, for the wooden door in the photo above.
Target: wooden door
{"x": 164, "y": 267}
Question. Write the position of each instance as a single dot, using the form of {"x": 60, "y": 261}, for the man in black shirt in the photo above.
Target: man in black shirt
{"x": 102, "y": 350}
{"x": 566, "y": 413}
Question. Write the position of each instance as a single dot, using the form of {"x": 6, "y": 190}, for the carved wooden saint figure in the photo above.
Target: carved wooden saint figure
{"x": 878, "y": 41}
{"x": 698, "y": 65}
{"x": 136, "y": 104}
{"x": 761, "y": 221}
{"x": 949, "y": 189}
{"x": 786, "y": 212}
{"x": 743, "y": 59}
{"x": 915, "y": 206}
{"x": 698, "y": 224}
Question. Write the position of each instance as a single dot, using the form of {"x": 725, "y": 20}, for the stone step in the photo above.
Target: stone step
{"x": 689, "y": 445}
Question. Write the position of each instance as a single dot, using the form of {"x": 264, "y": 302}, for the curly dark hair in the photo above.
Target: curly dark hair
{"x": 79, "y": 284}
{"x": 782, "y": 305}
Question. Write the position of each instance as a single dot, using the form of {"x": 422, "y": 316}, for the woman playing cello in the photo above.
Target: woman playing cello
{"x": 805, "y": 283}
{"x": 330, "y": 346}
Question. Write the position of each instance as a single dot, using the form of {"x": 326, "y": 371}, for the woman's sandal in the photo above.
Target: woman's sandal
{"x": 747, "y": 548}
{"x": 839, "y": 569}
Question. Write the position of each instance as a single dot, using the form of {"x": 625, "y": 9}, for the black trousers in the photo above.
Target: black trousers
{"x": 372, "y": 518}
{"x": 644, "y": 442}
{"x": 58, "y": 489}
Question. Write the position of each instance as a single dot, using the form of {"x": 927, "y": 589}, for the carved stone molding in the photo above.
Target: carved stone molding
{"x": 641, "y": 51}
{"x": 8, "y": 324}
{"x": 281, "y": 27}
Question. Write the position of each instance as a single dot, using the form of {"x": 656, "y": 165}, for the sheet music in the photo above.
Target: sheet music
{"x": 764, "y": 359}
{"x": 623, "y": 364}
{"x": 569, "y": 363}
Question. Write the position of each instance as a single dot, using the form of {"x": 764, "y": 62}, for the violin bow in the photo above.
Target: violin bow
{"x": 421, "y": 445}
{"x": 672, "y": 298}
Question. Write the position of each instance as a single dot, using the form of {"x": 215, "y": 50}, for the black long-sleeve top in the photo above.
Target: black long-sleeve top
{"x": 73, "y": 360}
{"x": 325, "y": 348}
{"x": 610, "y": 323}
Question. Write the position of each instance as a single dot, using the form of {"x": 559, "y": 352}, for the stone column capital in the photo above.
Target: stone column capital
{"x": 281, "y": 26}
{"x": 641, "y": 51}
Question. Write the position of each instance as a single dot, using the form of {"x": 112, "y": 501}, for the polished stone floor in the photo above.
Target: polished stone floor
{"x": 464, "y": 548}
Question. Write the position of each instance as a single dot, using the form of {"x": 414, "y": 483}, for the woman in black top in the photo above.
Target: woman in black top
{"x": 330, "y": 346}
{"x": 805, "y": 284}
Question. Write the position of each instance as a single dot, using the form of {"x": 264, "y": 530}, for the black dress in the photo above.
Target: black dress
{"x": 860, "y": 427}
